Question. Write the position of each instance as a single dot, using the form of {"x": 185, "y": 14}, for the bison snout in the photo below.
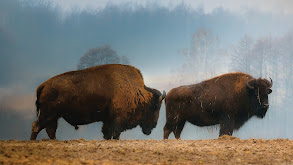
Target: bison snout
{"x": 147, "y": 131}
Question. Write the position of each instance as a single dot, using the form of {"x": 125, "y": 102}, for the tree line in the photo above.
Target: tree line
{"x": 267, "y": 57}
{"x": 261, "y": 57}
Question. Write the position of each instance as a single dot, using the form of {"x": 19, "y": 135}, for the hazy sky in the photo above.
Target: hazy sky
{"x": 42, "y": 38}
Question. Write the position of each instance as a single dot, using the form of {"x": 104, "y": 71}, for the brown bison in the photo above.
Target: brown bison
{"x": 229, "y": 100}
{"x": 114, "y": 94}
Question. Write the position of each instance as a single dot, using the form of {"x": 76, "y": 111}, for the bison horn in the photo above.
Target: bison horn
{"x": 162, "y": 96}
{"x": 271, "y": 83}
{"x": 247, "y": 84}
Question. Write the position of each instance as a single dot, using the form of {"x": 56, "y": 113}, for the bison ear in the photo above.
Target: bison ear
{"x": 162, "y": 96}
{"x": 250, "y": 83}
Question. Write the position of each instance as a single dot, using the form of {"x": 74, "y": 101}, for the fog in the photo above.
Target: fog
{"x": 40, "y": 39}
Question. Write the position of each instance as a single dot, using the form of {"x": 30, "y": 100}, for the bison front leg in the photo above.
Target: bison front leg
{"x": 116, "y": 134}
{"x": 106, "y": 129}
{"x": 226, "y": 126}
{"x": 111, "y": 131}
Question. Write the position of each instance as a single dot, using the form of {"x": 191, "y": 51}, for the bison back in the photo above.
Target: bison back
{"x": 95, "y": 89}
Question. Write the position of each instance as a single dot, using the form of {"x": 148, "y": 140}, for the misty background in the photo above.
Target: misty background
{"x": 173, "y": 43}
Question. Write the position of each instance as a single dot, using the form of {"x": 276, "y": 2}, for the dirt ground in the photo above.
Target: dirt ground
{"x": 225, "y": 150}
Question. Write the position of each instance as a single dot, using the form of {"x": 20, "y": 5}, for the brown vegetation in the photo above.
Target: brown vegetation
{"x": 225, "y": 150}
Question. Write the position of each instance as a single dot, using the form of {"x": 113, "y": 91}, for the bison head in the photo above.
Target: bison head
{"x": 151, "y": 114}
{"x": 260, "y": 89}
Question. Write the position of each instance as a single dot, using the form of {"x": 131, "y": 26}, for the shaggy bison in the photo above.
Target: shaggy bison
{"x": 114, "y": 94}
{"x": 229, "y": 100}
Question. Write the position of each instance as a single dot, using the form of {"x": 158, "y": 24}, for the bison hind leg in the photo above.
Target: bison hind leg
{"x": 174, "y": 125}
{"x": 178, "y": 129}
{"x": 36, "y": 128}
{"x": 51, "y": 128}
{"x": 48, "y": 122}
{"x": 167, "y": 130}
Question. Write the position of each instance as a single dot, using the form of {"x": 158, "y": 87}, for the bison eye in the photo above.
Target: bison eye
{"x": 270, "y": 91}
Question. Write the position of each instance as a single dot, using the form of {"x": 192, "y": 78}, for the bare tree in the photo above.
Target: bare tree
{"x": 100, "y": 56}
{"x": 261, "y": 54}
{"x": 286, "y": 66}
{"x": 242, "y": 56}
{"x": 268, "y": 57}
{"x": 200, "y": 59}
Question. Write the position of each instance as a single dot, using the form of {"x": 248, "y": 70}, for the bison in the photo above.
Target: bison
{"x": 229, "y": 100}
{"x": 114, "y": 94}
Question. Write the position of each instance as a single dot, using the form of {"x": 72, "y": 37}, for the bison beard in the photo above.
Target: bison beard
{"x": 229, "y": 100}
{"x": 114, "y": 94}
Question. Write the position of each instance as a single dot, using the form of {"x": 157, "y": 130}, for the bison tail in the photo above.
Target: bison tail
{"x": 39, "y": 90}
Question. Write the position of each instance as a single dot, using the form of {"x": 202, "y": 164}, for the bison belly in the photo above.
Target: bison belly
{"x": 83, "y": 109}
{"x": 203, "y": 119}
{"x": 80, "y": 118}
{"x": 203, "y": 113}
{"x": 196, "y": 112}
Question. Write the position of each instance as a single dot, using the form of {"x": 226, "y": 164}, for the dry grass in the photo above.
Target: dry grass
{"x": 225, "y": 150}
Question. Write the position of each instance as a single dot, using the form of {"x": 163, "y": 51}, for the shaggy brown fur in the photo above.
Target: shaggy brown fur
{"x": 224, "y": 100}
{"x": 114, "y": 94}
